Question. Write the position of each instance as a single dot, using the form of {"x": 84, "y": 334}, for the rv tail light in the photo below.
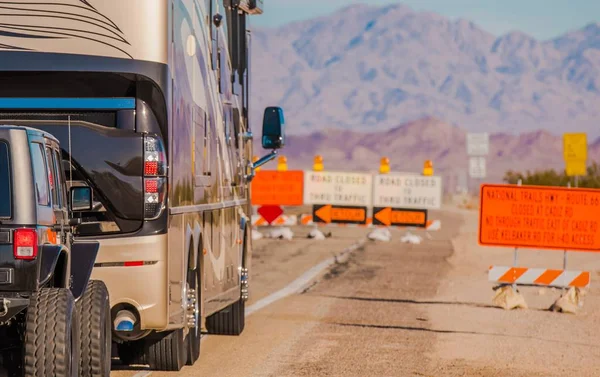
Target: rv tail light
{"x": 155, "y": 185}
{"x": 154, "y": 197}
{"x": 25, "y": 244}
{"x": 155, "y": 159}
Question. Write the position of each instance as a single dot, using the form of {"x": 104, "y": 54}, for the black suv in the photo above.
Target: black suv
{"x": 54, "y": 321}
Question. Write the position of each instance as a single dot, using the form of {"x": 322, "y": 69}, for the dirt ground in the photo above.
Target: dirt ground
{"x": 396, "y": 309}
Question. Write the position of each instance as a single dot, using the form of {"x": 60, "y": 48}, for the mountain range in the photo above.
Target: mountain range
{"x": 368, "y": 69}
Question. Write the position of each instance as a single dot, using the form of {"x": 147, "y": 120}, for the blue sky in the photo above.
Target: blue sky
{"x": 543, "y": 19}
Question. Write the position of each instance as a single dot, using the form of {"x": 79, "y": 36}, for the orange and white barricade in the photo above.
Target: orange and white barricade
{"x": 539, "y": 276}
{"x": 283, "y": 220}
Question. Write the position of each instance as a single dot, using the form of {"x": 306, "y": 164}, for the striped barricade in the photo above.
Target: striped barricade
{"x": 283, "y": 220}
{"x": 539, "y": 276}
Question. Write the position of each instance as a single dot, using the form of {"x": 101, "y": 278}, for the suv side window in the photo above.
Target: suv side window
{"x": 41, "y": 174}
{"x": 53, "y": 178}
{"x": 5, "y": 195}
{"x": 62, "y": 190}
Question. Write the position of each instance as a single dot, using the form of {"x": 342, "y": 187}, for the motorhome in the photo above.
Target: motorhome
{"x": 150, "y": 102}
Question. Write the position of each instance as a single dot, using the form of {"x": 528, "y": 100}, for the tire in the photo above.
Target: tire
{"x": 95, "y": 331}
{"x": 166, "y": 351}
{"x": 51, "y": 335}
{"x": 229, "y": 321}
{"x": 193, "y": 336}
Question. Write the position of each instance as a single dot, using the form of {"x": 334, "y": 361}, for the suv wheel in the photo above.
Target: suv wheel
{"x": 96, "y": 331}
{"x": 51, "y": 334}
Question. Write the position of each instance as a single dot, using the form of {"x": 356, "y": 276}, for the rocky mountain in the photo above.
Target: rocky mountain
{"x": 408, "y": 146}
{"x": 368, "y": 69}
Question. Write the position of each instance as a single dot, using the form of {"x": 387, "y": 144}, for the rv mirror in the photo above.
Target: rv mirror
{"x": 273, "y": 133}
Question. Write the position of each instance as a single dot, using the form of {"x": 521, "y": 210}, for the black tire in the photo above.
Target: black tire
{"x": 51, "y": 335}
{"x": 229, "y": 321}
{"x": 193, "y": 336}
{"x": 96, "y": 331}
{"x": 166, "y": 351}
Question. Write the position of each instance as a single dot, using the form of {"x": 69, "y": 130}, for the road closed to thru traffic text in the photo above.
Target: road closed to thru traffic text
{"x": 539, "y": 217}
{"x": 337, "y": 188}
{"x": 407, "y": 191}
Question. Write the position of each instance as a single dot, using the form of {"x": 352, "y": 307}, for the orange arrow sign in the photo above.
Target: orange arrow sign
{"x": 339, "y": 214}
{"x": 384, "y": 216}
{"x": 324, "y": 213}
{"x": 400, "y": 217}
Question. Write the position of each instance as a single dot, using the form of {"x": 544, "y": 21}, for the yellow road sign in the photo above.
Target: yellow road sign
{"x": 575, "y": 147}
{"x": 576, "y": 168}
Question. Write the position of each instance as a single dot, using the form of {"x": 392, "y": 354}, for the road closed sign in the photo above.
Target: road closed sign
{"x": 337, "y": 188}
{"x": 540, "y": 217}
{"x": 407, "y": 191}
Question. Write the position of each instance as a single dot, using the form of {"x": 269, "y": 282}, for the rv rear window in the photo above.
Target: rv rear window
{"x": 5, "y": 197}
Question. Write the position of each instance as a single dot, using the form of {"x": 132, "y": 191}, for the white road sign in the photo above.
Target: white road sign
{"x": 477, "y": 167}
{"x": 338, "y": 188}
{"x": 478, "y": 144}
{"x": 407, "y": 191}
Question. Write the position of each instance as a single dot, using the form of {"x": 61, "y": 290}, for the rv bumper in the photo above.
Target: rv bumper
{"x": 135, "y": 272}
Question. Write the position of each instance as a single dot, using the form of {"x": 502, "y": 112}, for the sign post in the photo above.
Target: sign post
{"x": 478, "y": 147}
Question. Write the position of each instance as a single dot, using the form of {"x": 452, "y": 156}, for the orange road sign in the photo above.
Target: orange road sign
{"x": 539, "y": 217}
{"x": 279, "y": 188}
{"x": 400, "y": 217}
{"x": 339, "y": 214}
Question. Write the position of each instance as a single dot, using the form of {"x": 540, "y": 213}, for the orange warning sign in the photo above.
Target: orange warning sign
{"x": 282, "y": 188}
{"x": 400, "y": 217}
{"x": 339, "y": 214}
{"x": 539, "y": 217}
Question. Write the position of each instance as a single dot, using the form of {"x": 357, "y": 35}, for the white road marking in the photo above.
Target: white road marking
{"x": 294, "y": 287}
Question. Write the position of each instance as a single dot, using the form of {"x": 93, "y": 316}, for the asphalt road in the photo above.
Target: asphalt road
{"x": 396, "y": 309}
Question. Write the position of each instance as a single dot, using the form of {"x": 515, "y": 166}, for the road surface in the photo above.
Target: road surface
{"x": 395, "y": 309}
